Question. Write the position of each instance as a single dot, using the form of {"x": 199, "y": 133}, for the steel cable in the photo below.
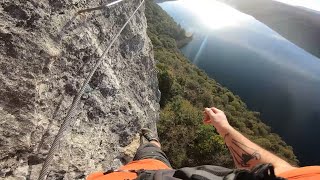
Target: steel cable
{"x": 100, "y": 7}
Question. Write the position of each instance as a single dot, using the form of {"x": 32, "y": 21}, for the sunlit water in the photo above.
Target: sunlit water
{"x": 272, "y": 75}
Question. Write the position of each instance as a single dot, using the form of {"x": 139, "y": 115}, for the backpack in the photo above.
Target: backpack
{"x": 208, "y": 172}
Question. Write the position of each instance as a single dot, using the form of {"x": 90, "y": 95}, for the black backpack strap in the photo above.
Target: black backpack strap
{"x": 259, "y": 172}
{"x": 163, "y": 174}
{"x": 145, "y": 174}
{"x": 206, "y": 172}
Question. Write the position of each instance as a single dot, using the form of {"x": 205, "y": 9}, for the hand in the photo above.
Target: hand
{"x": 217, "y": 118}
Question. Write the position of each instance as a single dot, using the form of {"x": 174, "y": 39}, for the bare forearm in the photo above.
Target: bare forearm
{"x": 247, "y": 154}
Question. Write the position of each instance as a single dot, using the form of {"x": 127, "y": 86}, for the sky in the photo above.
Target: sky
{"x": 214, "y": 14}
{"x": 218, "y": 15}
{"x": 311, "y": 4}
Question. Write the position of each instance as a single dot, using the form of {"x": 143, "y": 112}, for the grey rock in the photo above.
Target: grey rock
{"x": 45, "y": 55}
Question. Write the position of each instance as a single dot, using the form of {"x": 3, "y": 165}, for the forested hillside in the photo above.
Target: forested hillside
{"x": 185, "y": 91}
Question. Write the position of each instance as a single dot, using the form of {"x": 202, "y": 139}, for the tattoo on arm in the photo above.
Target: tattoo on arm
{"x": 241, "y": 153}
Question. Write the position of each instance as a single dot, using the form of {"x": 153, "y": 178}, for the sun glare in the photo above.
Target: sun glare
{"x": 214, "y": 14}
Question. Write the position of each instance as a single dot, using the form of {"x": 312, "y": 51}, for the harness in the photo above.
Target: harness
{"x": 206, "y": 172}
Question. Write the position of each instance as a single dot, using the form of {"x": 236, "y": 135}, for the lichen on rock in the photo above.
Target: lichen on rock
{"x": 46, "y": 53}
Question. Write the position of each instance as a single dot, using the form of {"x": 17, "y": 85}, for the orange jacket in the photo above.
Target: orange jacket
{"x": 147, "y": 164}
{"x": 304, "y": 173}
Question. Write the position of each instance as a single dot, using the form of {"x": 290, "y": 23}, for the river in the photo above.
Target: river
{"x": 269, "y": 73}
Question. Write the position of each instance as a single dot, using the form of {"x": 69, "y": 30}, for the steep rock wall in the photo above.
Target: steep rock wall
{"x": 46, "y": 53}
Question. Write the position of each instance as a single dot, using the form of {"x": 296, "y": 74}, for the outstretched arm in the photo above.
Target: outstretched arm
{"x": 245, "y": 153}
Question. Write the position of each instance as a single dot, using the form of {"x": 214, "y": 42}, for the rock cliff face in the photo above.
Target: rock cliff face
{"x": 46, "y": 53}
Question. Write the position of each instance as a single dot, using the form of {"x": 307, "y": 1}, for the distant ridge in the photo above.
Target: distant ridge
{"x": 297, "y": 24}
